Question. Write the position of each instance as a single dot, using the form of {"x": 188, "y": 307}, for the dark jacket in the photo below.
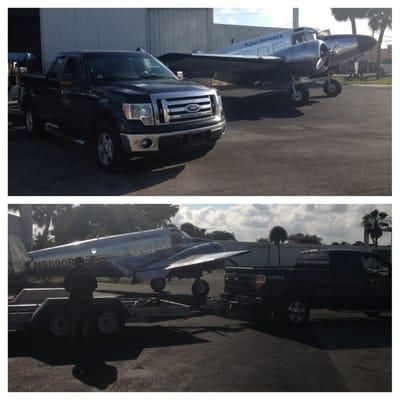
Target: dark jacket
{"x": 80, "y": 282}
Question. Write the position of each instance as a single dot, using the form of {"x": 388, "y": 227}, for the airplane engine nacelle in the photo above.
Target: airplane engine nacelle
{"x": 307, "y": 58}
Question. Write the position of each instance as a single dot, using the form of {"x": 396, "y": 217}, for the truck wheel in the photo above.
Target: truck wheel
{"x": 332, "y": 88}
{"x": 108, "y": 149}
{"x": 33, "y": 125}
{"x": 295, "y": 311}
{"x": 108, "y": 323}
{"x": 158, "y": 284}
{"x": 200, "y": 288}
{"x": 59, "y": 325}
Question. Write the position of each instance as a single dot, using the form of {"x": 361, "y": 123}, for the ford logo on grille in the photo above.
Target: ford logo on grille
{"x": 192, "y": 108}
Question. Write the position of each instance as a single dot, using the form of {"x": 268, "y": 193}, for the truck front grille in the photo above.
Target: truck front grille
{"x": 173, "y": 109}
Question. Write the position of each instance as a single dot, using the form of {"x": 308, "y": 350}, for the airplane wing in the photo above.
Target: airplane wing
{"x": 241, "y": 67}
{"x": 197, "y": 259}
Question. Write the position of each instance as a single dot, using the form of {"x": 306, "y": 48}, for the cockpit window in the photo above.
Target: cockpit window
{"x": 303, "y": 36}
{"x": 179, "y": 237}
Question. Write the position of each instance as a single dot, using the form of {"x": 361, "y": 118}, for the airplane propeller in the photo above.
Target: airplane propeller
{"x": 325, "y": 56}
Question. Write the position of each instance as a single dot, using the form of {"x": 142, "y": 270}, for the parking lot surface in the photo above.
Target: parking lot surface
{"x": 333, "y": 352}
{"x": 333, "y": 146}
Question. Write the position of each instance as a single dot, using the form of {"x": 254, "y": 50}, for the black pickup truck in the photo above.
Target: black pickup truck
{"x": 340, "y": 280}
{"x": 124, "y": 104}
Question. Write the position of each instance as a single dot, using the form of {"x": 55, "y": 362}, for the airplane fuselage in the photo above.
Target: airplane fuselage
{"x": 140, "y": 255}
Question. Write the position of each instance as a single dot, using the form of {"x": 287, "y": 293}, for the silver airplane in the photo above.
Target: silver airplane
{"x": 154, "y": 255}
{"x": 279, "y": 57}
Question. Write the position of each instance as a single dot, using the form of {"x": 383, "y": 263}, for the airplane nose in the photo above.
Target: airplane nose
{"x": 365, "y": 43}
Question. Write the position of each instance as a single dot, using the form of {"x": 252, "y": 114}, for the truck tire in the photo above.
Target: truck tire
{"x": 108, "y": 322}
{"x": 58, "y": 325}
{"x": 295, "y": 311}
{"x": 108, "y": 149}
{"x": 33, "y": 125}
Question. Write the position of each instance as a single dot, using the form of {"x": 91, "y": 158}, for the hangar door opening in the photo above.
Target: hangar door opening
{"x": 24, "y": 33}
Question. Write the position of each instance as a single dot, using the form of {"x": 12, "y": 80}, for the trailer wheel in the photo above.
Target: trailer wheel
{"x": 59, "y": 325}
{"x": 108, "y": 323}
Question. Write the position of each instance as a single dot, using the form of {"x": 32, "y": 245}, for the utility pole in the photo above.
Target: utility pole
{"x": 295, "y": 18}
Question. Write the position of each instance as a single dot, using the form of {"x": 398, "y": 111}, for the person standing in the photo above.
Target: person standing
{"x": 80, "y": 281}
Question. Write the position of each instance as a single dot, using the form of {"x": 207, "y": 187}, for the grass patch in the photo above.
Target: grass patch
{"x": 385, "y": 80}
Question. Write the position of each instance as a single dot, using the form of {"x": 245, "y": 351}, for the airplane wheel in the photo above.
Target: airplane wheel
{"x": 200, "y": 288}
{"x": 332, "y": 88}
{"x": 158, "y": 284}
{"x": 300, "y": 96}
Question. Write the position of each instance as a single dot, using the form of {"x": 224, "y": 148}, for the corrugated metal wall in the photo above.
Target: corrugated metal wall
{"x": 178, "y": 30}
{"x": 65, "y": 29}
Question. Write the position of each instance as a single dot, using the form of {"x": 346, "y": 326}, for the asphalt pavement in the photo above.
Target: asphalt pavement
{"x": 333, "y": 146}
{"x": 333, "y": 352}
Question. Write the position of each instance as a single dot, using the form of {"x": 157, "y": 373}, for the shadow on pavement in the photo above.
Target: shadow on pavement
{"x": 48, "y": 150}
{"x": 127, "y": 346}
{"x": 259, "y": 106}
{"x": 335, "y": 334}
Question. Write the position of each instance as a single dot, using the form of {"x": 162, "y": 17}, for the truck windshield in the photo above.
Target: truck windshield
{"x": 127, "y": 66}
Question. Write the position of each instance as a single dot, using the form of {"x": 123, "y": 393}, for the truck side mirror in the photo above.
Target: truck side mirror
{"x": 179, "y": 75}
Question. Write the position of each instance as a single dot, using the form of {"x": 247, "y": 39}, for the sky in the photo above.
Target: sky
{"x": 332, "y": 222}
{"x": 320, "y": 18}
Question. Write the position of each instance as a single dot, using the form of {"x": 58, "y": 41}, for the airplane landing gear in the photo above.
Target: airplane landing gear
{"x": 158, "y": 284}
{"x": 298, "y": 94}
{"x": 200, "y": 288}
{"x": 332, "y": 87}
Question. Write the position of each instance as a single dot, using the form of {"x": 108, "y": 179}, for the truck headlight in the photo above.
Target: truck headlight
{"x": 218, "y": 105}
{"x": 142, "y": 112}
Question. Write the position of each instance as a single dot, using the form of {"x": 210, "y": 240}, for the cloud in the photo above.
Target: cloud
{"x": 333, "y": 222}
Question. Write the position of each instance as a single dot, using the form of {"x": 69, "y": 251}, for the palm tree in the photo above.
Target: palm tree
{"x": 278, "y": 235}
{"x": 345, "y": 14}
{"x": 46, "y": 216}
{"x": 373, "y": 222}
{"x": 379, "y": 20}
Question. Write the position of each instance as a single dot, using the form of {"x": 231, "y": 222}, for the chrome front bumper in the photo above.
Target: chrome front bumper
{"x": 132, "y": 142}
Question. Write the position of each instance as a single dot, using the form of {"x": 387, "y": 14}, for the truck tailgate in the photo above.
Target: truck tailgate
{"x": 239, "y": 280}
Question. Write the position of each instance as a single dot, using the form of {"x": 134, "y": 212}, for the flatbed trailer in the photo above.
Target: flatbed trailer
{"x": 46, "y": 309}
